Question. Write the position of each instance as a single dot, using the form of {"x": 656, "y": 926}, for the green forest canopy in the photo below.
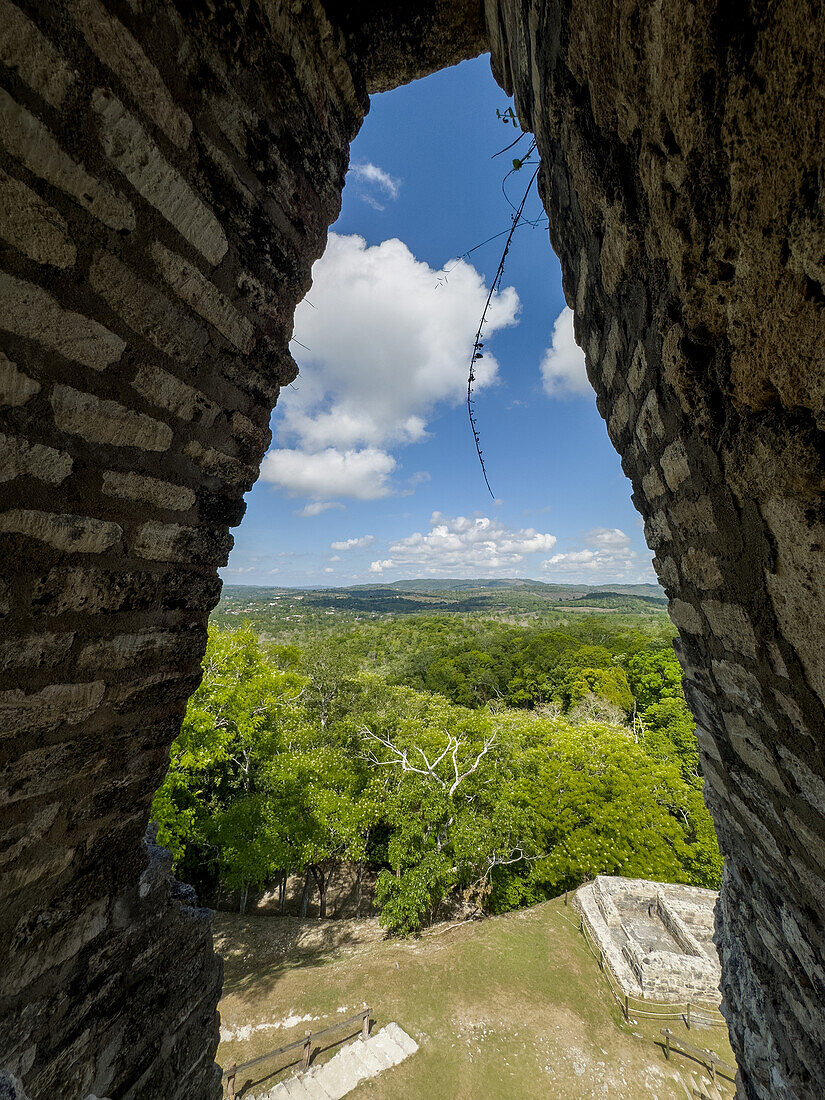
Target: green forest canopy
{"x": 468, "y": 759}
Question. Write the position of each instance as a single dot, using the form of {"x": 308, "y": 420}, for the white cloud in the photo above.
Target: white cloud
{"x": 316, "y": 507}
{"x": 361, "y": 474}
{"x": 372, "y": 179}
{"x": 468, "y": 544}
{"x": 387, "y": 346}
{"x": 380, "y": 566}
{"x": 562, "y": 368}
{"x": 607, "y": 557}
{"x": 353, "y": 544}
{"x": 335, "y": 557}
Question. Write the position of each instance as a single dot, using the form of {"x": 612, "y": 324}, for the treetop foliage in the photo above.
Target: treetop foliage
{"x": 475, "y": 764}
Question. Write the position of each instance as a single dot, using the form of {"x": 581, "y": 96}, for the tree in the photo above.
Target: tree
{"x": 212, "y": 808}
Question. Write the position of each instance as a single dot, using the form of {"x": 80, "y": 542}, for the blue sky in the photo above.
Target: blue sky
{"x": 372, "y": 474}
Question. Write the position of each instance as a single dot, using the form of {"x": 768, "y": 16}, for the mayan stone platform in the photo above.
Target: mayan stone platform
{"x": 657, "y": 938}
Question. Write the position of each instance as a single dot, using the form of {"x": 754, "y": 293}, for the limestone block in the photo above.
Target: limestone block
{"x": 70, "y": 533}
{"x": 15, "y": 387}
{"x": 619, "y": 418}
{"x": 657, "y": 530}
{"x": 146, "y": 310}
{"x": 731, "y": 626}
{"x": 35, "y": 650}
{"x": 28, "y": 141}
{"x": 638, "y": 369}
{"x": 32, "y": 226}
{"x": 26, "y": 51}
{"x": 28, "y": 311}
{"x": 701, "y": 569}
{"x": 148, "y": 490}
{"x": 119, "y": 51}
{"x": 219, "y": 464}
{"x": 811, "y": 786}
{"x": 745, "y": 742}
{"x": 686, "y": 617}
{"x": 128, "y": 650}
{"x": 40, "y": 710}
{"x": 168, "y": 392}
{"x": 652, "y": 486}
{"x": 199, "y": 293}
{"x": 612, "y": 350}
{"x": 615, "y": 247}
{"x": 133, "y": 153}
{"x": 674, "y": 463}
{"x": 649, "y": 426}
{"x": 695, "y": 517}
{"x": 99, "y": 421}
{"x": 18, "y": 458}
{"x": 175, "y": 542}
{"x": 666, "y": 571}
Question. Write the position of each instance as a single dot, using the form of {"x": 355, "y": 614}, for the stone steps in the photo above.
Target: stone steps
{"x": 346, "y": 1069}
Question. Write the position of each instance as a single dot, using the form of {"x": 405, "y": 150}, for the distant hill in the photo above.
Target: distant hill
{"x": 443, "y": 585}
{"x": 421, "y": 596}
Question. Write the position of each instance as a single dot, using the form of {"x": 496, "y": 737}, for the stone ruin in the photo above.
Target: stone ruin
{"x": 657, "y": 938}
{"x": 168, "y": 171}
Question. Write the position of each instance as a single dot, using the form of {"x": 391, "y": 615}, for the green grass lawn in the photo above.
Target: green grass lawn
{"x": 512, "y": 1007}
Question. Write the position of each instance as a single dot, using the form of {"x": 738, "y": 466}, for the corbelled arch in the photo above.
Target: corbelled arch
{"x": 167, "y": 176}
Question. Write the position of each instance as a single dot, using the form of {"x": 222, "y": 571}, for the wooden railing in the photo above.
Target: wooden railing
{"x": 311, "y": 1037}
{"x": 655, "y": 1010}
{"x": 712, "y": 1063}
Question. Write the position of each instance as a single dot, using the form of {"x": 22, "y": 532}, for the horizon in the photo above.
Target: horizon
{"x": 499, "y": 581}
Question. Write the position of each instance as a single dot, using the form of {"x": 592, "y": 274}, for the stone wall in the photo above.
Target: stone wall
{"x": 682, "y": 172}
{"x": 167, "y": 176}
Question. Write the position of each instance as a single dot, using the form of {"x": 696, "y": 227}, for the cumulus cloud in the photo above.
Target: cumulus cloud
{"x": 387, "y": 346}
{"x": 562, "y": 368}
{"x": 380, "y": 566}
{"x": 373, "y": 181}
{"x": 607, "y": 556}
{"x": 364, "y": 474}
{"x": 468, "y": 544}
{"x": 316, "y": 507}
{"x": 353, "y": 544}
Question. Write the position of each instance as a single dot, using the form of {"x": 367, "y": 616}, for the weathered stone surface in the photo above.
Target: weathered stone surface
{"x": 134, "y": 153}
{"x": 32, "y": 226}
{"x": 148, "y": 490}
{"x": 15, "y": 387}
{"x": 30, "y": 142}
{"x": 99, "y": 421}
{"x": 28, "y": 311}
{"x": 682, "y": 176}
{"x": 120, "y": 51}
{"x": 72, "y": 534}
{"x": 196, "y": 290}
{"x": 24, "y": 50}
{"x": 21, "y": 459}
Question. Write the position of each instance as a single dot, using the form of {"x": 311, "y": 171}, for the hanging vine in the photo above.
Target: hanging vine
{"x": 518, "y": 217}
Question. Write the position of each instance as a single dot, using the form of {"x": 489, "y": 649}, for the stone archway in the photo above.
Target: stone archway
{"x": 167, "y": 176}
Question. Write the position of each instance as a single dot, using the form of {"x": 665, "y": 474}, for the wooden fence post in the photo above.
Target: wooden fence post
{"x": 307, "y": 1051}
{"x": 667, "y": 1042}
{"x": 365, "y": 1024}
{"x": 626, "y": 1008}
{"x": 230, "y": 1081}
{"x": 687, "y": 1016}
{"x": 712, "y": 1068}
